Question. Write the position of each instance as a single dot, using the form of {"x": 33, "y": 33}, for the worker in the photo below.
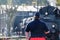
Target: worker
{"x": 37, "y": 29}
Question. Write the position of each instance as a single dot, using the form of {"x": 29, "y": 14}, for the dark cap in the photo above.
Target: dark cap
{"x": 37, "y": 14}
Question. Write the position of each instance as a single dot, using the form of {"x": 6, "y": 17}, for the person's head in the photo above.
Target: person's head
{"x": 37, "y": 15}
